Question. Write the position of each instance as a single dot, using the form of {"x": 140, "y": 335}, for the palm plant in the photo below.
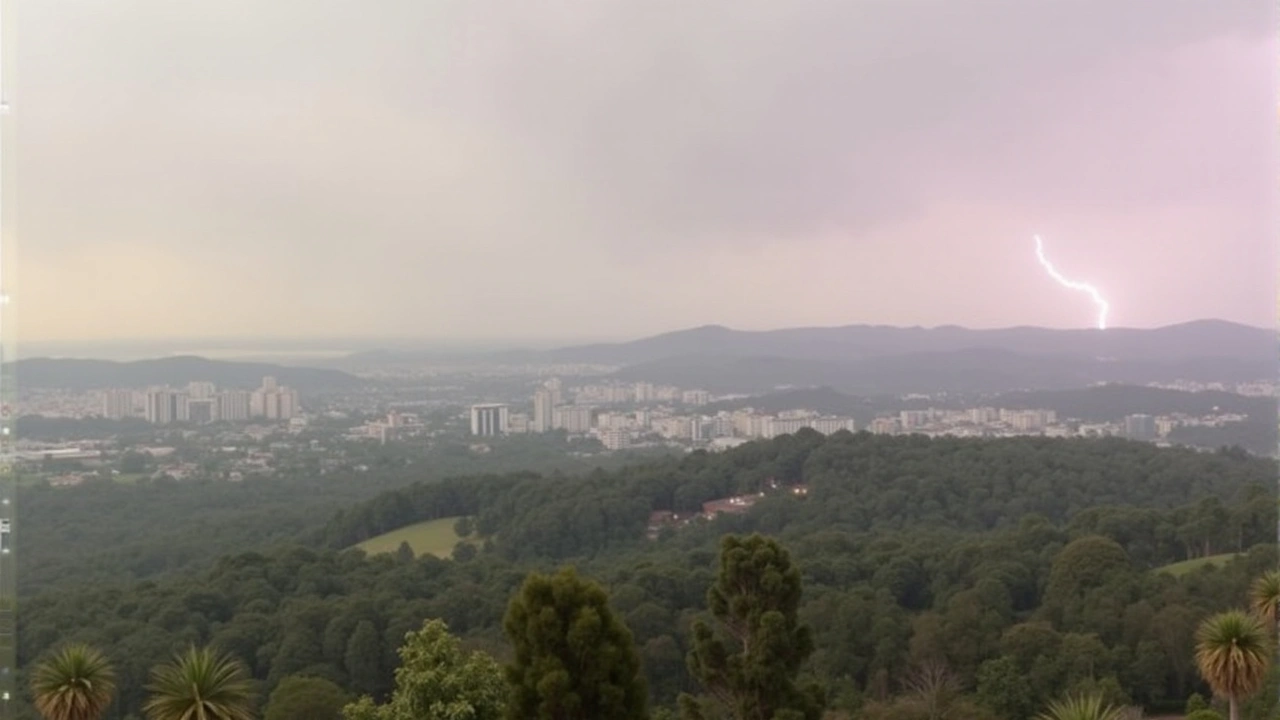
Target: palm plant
{"x": 74, "y": 683}
{"x": 1081, "y": 707}
{"x": 1233, "y": 651}
{"x": 1264, "y": 596}
{"x": 200, "y": 684}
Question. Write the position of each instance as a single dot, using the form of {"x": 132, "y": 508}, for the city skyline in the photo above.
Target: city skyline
{"x": 496, "y": 171}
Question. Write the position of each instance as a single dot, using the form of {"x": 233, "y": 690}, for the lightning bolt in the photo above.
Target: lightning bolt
{"x": 1093, "y": 292}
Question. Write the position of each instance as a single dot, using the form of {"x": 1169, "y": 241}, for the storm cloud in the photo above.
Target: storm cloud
{"x": 607, "y": 169}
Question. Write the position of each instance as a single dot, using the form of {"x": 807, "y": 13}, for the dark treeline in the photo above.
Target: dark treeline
{"x": 107, "y": 531}
{"x": 1024, "y": 563}
{"x": 859, "y": 483}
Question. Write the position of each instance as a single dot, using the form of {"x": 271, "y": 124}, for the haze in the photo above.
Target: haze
{"x": 469, "y": 170}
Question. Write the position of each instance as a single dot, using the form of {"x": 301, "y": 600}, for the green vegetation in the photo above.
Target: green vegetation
{"x": 74, "y": 683}
{"x": 1182, "y": 568}
{"x": 430, "y": 537}
{"x": 1233, "y": 651}
{"x": 306, "y": 698}
{"x": 749, "y": 662}
{"x": 574, "y": 658}
{"x": 107, "y": 532}
{"x": 437, "y": 681}
{"x": 941, "y": 578}
{"x": 200, "y": 683}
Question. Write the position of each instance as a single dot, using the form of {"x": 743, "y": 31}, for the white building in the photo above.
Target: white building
{"x": 162, "y": 406}
{"x": 615, "y": 438}
{"x": 544, "y": 404}
{"x": 489, "y": 420}
{"x": 233, "y": 405}
{"x": 575, "y": 419}
{"x": 273, "y": 401}
{"x": 117, "y": 404}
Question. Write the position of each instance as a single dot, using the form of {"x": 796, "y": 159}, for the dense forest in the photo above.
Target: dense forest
{"x": 107, "y": 531}
{"x": 1025, "y": 568}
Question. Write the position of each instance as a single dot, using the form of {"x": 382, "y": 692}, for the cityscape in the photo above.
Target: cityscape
{"x": 259, "y": 432}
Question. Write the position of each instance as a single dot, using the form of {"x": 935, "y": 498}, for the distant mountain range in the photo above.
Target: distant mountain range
{"x": 863, "y": 360}
{"x": 866, "y": 359}
{"x": 1203, "y": 338}
{"x": 74, "y": 374}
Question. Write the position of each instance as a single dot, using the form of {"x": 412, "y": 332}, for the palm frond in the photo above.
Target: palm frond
{"x": 1081, "y": 707}
{"x": 1264, "y": 596}
{"x": 1233, "y": 652}
{"x": 200, "y": 684}
{"x": 74, "y": 683}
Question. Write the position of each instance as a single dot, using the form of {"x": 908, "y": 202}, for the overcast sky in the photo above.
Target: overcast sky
{"x": 613, "y": 168}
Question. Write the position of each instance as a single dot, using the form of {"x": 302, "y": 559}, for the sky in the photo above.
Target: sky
{"x": 476, "y": 169}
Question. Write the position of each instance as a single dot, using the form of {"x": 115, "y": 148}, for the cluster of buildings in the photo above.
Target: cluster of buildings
{"x": 628, "y": 415}
{"x": 622, "y": 416}
{"x": 227, "y": 453}
{"x": 395, "y": 425}
{"x": 1263, "y": 388}
{"x": 998, "y": 422}
{"x": 202, "y": 402}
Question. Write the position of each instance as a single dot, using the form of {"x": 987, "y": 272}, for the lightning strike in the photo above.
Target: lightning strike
{"x": 1092, "y": 291}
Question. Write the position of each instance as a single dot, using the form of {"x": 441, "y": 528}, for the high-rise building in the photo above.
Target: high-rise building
{"x": 233, "y": 405}
{"x": 557, "y": 391}
{"x": 200, "y": 390}
{"x": 643, "y": 392}
{"x": 575, "y": 419}
{"x": 489, "y": 420}
{"x": 544, "y": 404}
{"x": 117, "y": 404}
{"x": 696, "y": 397}
{"x": 181, "y": 408}
{"x": 273, "y": 401}
{"x": 162, "y": 406}
{"x": 202, "y": 410}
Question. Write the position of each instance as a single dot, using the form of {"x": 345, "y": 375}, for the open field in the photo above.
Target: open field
{"x": 1179, "y": 569}
{"x": 433, "y": 537}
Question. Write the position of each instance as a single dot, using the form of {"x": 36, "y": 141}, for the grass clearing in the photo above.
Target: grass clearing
{"x": 433, "y": 537}
{"x": 1179, "y": 569}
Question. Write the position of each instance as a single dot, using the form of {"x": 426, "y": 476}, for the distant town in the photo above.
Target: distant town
{"x": 627, "y": 415}
{"x": 232, "y": 433}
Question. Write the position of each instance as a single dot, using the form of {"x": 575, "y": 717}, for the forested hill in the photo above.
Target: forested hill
{"x": 78, "y": 374}
{"x": 1022, "y": 563}
{"x": 856, "y": 482}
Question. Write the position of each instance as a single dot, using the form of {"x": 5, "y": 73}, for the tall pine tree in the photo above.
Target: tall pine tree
{"x": 749, "y": 662}
{"x": 574, "y": 659}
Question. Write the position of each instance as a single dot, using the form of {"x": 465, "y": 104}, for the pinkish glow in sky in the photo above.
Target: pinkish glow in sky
{"x": 496, "y": 168}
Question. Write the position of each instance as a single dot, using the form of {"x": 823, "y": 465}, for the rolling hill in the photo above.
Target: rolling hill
{"x": 1173, "y": 343}
{"x": 76, "y": 374}
{"x": 962, "y": 371}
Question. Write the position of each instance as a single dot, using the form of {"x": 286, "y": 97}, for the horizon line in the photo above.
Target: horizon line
{"x": 548, "y": 340}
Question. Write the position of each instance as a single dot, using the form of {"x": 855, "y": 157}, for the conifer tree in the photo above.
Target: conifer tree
{"x": 574, "y": 659}
{"x": 748, "y": 663}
